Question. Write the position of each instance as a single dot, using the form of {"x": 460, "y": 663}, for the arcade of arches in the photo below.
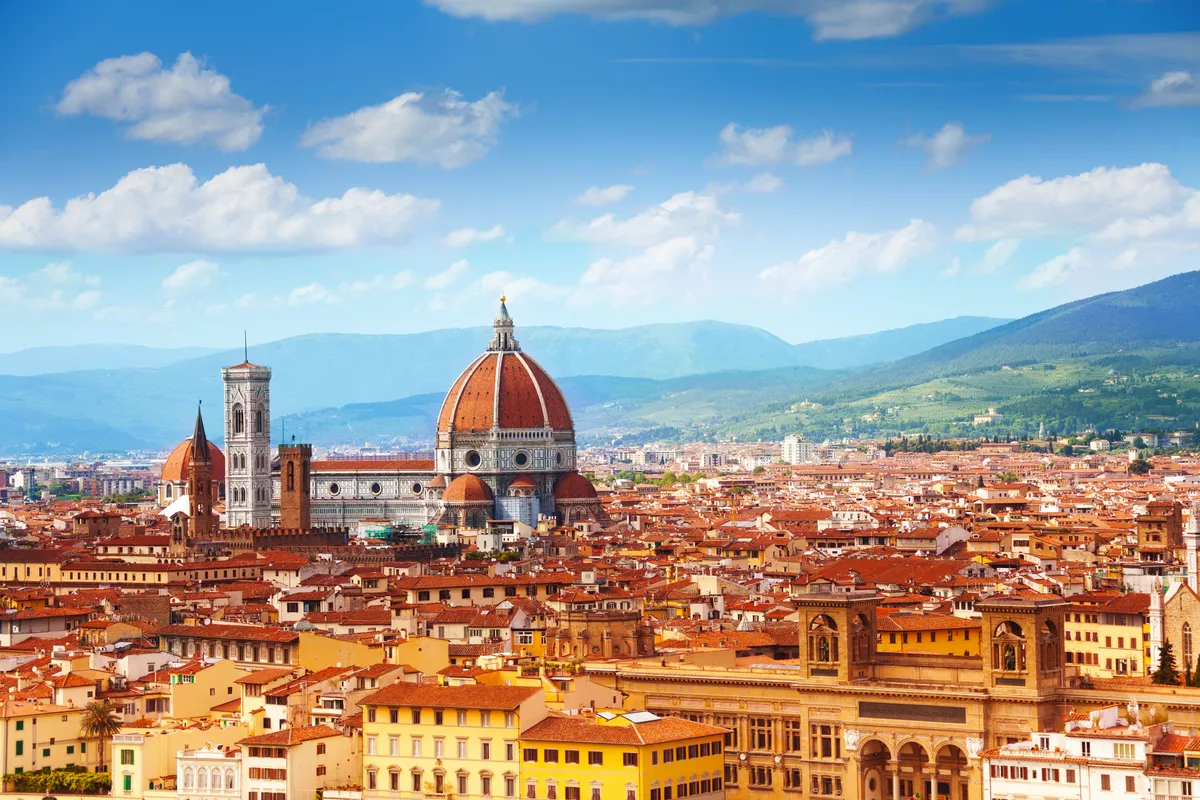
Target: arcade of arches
{"x": 842, "y": 720}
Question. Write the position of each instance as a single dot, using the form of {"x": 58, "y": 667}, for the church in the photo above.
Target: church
{"x": 504, "y": 450}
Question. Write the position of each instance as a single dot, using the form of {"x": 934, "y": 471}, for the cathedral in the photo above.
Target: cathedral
{"x": 504, "y": 450}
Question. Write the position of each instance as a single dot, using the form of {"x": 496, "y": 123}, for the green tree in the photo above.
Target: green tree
{"x": 1139, "y": 467}
{"x": 100, "y": 721}
{"x": 1008, "y": 477}
{"x": 1166, "y": 674}
{"x": 668, "y": 479}
{"x": 758, "y": 470}
{"x": 979, "y": 484}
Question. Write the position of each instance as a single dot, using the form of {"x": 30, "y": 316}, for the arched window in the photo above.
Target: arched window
{"x": 167, "y": 491}
{"x": 188, "y": 778}
{"x": 1187, "y": 645}
{"x": 291, "y": 476}
{"x": 1008, "y": 647}
{"x": 230, "y": 779}
{"x": 239, "y": 419}
{"x": 202, "y": 779}
{"x": 216, "y": 779}
{"x": 258, "y": 420}
{"x": 1048, "y": 646}
{"x": 823, "y": 639}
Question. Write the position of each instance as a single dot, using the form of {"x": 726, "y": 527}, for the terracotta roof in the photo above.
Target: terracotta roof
{"x": 290, "y": 736}
{"x": 590, "y": 731}
{"x": 373, "y": 465}
{"x": 574, "y": 486}
{"x": 241, "y": 632}
{"x": 467, "y": 489}
{"x": 176, "y": 468}
{"x": 507, "y": 698}
{"x": 522, "y": 395}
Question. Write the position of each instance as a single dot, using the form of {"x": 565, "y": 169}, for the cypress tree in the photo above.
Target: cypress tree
{"x": 1166, "y": 674}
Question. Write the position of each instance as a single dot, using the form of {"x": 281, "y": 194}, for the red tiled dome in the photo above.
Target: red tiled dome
{"x": 523, "y": 481}
{"x": 504, "y": 389}
{"x": 467, "y": 489}
{"x": 176, "y": 468}
{"x": 574, "y": 486}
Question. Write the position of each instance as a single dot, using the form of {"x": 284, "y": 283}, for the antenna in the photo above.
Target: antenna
{"x": 245, "y": 345}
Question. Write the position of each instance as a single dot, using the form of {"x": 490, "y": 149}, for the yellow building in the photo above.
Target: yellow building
{"x": 459, "y": 740}
{"x": 1110, "y": 638}
{"x": 622, "y": 756}
{"x": 928, "y": 633}
{"x": 36, "y": 736}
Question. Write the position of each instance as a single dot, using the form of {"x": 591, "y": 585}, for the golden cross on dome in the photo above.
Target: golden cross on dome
{"x": 502, "y": 298}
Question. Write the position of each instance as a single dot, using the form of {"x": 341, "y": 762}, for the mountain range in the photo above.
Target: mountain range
{"x": 117, "y": 407}
{"x": 1124, "y": 359}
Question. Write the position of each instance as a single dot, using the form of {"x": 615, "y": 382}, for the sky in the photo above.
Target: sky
{"x": 177, "y": 174}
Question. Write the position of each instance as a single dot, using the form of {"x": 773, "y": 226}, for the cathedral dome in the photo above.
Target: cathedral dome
{"x": 504, "y": 389}
{"x": 467, "y": 489}
{"x": 176, "y": 468}
{"x": 574, "y": 486}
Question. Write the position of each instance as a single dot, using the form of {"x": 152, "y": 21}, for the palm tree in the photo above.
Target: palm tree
{"x": 100, "y": 721}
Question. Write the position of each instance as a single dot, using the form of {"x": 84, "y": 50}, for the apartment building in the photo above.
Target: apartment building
{"x": 425, "y": 740}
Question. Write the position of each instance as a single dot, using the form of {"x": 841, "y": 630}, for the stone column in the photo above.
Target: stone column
{"x": 894, "y": 766}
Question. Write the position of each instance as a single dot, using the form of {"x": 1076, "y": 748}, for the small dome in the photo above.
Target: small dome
{"x": 523, "y": 481}
{"x": 574, "y": 486}
{"x": 176, "y": 468}
{"x": 467, "y": 489}
{"x": 437, "y": 483}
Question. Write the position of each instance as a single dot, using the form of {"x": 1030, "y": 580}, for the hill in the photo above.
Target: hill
{"x": 153, "y": 406}
{"x": 603, "y": 407}
{"x": 69, "y": 358}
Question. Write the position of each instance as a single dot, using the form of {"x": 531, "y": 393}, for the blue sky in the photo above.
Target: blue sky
{"x": 814, "y": 167}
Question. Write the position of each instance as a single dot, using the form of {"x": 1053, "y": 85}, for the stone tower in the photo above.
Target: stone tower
{"x": 295, "y": 500}
{"x": 201, "y": 519}
{"x": 247, "y": 445}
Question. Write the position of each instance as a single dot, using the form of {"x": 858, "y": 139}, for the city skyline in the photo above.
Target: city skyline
{"x": 170, "y": 177}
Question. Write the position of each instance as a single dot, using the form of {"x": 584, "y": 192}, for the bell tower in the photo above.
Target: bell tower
{"x": 295, "y": 500}
{"x": 837, "y": 634}
{"x": 201, "y": 520}
{"x": 1022, "y": 645}
{"x": 247, "y": 445}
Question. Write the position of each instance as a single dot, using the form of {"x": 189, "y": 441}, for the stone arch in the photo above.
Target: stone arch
{"x": 1048, "y": 645}
{"x": 239, "y": 418}
{"x": 1008, "y": 647}
{"x": 823, "y": 639}
{"x": 875, "y": 765}
{"x": 860, "y": 638}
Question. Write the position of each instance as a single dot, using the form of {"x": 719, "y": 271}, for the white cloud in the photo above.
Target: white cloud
{"x": 841, "y": 261}
{"x": 759, "y": 146}
{"x": 1175, "y": 89}
{"x": 763, "y": 183}
{"x": 193, "y": 275}
{"x": 386, "y": 282}
{"x": 1084, "y": 203}
{"x": 667, "y": 269}
{"x": 242, "y": 208}
{"x": 830, "y": 19}
{"x": 465, "y": 237}
{"x": 310, "y": 294}
{"x": 947, "y": 146}
{"x": 55, "y": 287}
{"x": 186, "y": 104}
{"x": 998, "y": 255}
{"x": 684, "y": 214}
{"x": 438, "y": 129}
{"x": 1057, "y": 270}
{"x": 596, "y": 196}
{"x": 449, "y": 277}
